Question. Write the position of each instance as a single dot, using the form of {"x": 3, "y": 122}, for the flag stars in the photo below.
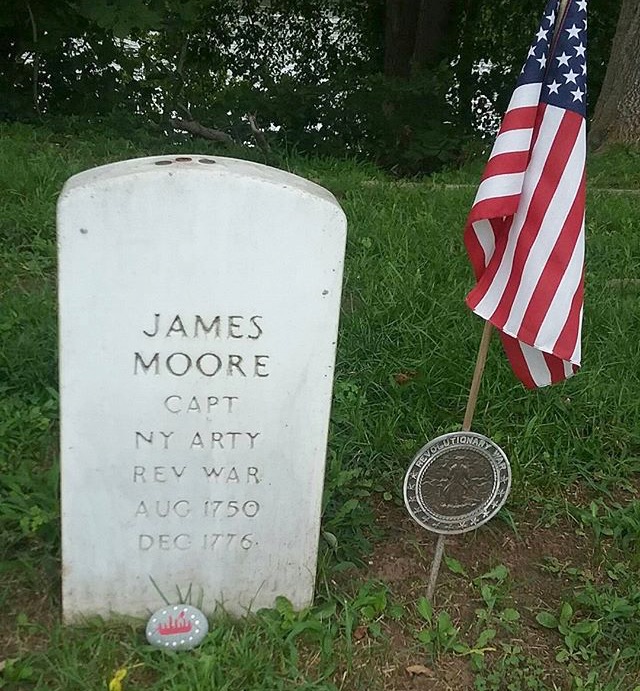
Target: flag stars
{"x": 564, "y": 68}
{"x": 574, "y": 32}
{"x": 542, "y": 34}
{"x": 578, "y": 94}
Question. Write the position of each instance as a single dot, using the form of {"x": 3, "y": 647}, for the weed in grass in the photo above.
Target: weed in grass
{"x": 455, "y": 566}
{"x": 491, "y": 616}
{"x": 492, "y": 586}
{"x": 440, "y": 635}
{"x": 347, "y": 517}
{"x": 29, "y": 511}
{"x": 616, "y": 610}
{"x": 15, "y": 674}
{"x": 513, "y": 671}
{"x": 621, "y": 523}
{"x": 580, "y": 635}
{"x": 599, "y": 624}
{"x": 372, "y": 603}
{"x": 314, "y": 625}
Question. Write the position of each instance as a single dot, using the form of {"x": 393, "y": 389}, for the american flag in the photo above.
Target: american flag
{"x": 525, "y": 232}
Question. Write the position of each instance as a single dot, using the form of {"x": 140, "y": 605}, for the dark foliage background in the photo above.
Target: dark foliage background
{"x": 315, "y": 74}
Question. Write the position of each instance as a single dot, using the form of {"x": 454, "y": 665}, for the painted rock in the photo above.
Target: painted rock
{"x": 177, "y": 627}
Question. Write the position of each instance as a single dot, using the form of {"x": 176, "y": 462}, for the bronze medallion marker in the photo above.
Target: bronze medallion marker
{"x": 456, "y": 483}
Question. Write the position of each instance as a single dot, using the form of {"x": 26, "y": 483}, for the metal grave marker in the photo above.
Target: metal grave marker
{"x": 456, "y": 483}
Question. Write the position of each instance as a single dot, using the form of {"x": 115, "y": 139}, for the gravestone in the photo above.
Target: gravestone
{"x": 199, "y": 300}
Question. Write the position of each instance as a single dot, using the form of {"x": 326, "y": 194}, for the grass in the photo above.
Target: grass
{"x": 547, "y": 598}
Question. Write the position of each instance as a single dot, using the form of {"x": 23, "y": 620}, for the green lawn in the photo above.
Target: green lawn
{"x": 545, "y": 597}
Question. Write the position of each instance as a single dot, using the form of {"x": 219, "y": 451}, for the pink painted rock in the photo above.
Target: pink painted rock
{"x": 177, "y": 627}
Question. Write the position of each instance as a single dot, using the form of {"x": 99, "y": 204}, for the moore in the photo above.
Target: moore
{"x": 207, "y": 364}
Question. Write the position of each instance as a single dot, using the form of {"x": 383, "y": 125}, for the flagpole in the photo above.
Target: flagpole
{"x": 563, "y": 6}
{"x": 481, "y": 360}
{"x": 435, "y": 567}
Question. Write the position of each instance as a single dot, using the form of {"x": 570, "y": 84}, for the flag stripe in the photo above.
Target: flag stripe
{"x": 504, "y": 164}
{"x": 504, "y": 185}
{"x": 514, "y": 140}
{"x": 490, "y": 271}
{"x": 541, "y": 207}
{"x": 525, "y": 95}
{"x": 551, "y": 328}
{"x": 501, "y": 206}
{"x": 552, "y": 272}
{"x": 520, "y": 119}
{"x": 568, "y": 338}
{"x": 481, "y": 242}
{"x": 513, "y": 349}
{"x": 577, "y": 351}
{"x": 555, "y": 366}
{"x": 528, "y": 364}
{"x": 491, "y": 286}
{"x": 476, "y": 241}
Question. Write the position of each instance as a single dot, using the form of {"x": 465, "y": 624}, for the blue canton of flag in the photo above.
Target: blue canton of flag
{"x": 564, "y": 75}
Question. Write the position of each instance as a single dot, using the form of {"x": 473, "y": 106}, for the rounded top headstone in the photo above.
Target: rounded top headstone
{"x": 199, "y": 304}
{"x": 197, "y": 164}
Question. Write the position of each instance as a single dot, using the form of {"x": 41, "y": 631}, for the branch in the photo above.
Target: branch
{"x": 186, "y": 110}
{"x": 182, "y": 57}
{"x": 258, "y": 134}
{"x": 199, "y": 130}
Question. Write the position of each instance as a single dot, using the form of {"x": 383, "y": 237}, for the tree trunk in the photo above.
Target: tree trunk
{"x": 617, "y": 114}
{"x": 416, "y": 33}
{"x": 400, "y": 36}
{"x": 432, "y": 30}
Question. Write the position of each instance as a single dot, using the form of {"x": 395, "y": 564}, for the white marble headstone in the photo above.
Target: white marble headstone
{"x": 199, "y": 300}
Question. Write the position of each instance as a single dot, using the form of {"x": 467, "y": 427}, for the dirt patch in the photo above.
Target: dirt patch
{"x": 404, "y": 556}
{"x": 403, "y": 560}
{"x": 28, "y": 613}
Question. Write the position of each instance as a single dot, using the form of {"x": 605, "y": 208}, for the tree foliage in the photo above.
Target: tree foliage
{"x": 407, "y": 82}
